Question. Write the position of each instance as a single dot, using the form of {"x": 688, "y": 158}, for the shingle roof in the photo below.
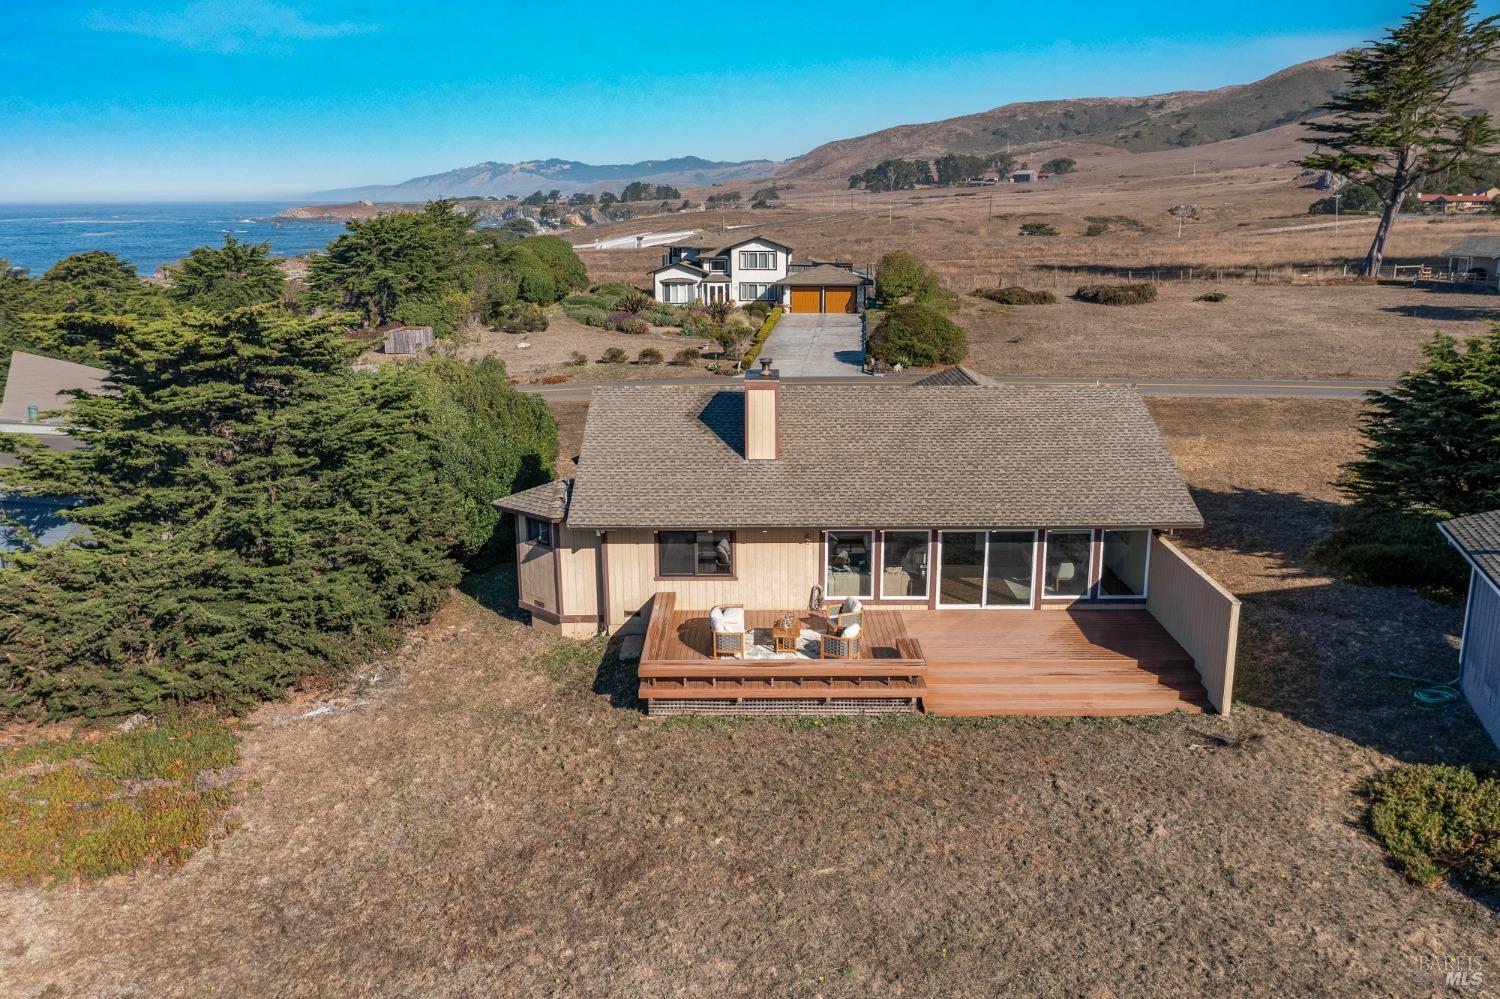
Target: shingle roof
{"x": 1478, "y": 537}
{"x": 823, "y": 274}
{"x": 548, "y": 501}
{"x": 885, "y": 456}
{"x": 44, "y": 382}
{"x": 1475, "y": 246}
{"x": 957, "y": 375}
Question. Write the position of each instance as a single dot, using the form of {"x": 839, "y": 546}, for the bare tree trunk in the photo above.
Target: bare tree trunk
{"x": 1371, "y": 265}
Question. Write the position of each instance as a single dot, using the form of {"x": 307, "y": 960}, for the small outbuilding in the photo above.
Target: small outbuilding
{"x": 1477, "y": 538}
{"x": 1476, "y": 259}
{"x": 407, "y": 339}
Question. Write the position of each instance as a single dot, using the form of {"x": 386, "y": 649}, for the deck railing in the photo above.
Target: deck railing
{"x": 1200, "y": 614}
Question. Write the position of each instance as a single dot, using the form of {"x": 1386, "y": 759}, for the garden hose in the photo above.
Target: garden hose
{"x": 1431, "y": 695}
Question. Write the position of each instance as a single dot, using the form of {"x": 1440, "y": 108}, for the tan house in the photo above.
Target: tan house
{"x": 996, "y": 549}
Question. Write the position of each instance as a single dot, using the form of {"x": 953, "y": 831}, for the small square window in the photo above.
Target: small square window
{"x": 539, "y": 531}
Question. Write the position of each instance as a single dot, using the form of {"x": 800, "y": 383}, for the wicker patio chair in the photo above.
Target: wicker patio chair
{"x": 851, "y": 611}
{"x": 727, "y": 635}
{"x": 843, "y": 645}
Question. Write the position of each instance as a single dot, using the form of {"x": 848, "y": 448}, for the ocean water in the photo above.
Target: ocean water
{"x": 149, "y": 235}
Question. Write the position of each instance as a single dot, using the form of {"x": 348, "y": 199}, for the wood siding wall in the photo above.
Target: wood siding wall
{"x": 773, "y": 569}
{"x": 579, "y": 572}
{"x": 1200, "y": 614}
{"x": 1481, "y": 655}
{"x": 536, "y": 575}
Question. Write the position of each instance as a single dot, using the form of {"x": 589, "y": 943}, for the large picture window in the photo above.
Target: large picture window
{"x": 1126, "y": 557}
{"x": 849, "y": 566}
{"x": 1066, "y": 569}
{"x": 757, "y": 260}
{"x": 904, "y": 573}
{"x": 677, "y": 293}
{"x": 695, "y": 553}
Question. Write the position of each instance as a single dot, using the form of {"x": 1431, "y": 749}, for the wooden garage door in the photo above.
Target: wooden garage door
{"x": 806, "y": 300}
{"x": 838, "y": 299}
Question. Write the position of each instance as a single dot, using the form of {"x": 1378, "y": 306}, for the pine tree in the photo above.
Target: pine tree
{"x": 257, "y": 512}
{"x": 1432, "y": 443}
{"x": 1400, "y": 122}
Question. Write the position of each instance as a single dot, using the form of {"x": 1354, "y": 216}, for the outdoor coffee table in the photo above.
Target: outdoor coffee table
{"x": 785, "y": 639}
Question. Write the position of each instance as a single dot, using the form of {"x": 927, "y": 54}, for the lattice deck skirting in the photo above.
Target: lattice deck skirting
{"x": 781, "y": 707}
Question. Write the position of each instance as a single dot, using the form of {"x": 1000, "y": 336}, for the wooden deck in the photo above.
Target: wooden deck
{"x": 1089, "y": 662}
{"x": 677, "y": 675}
{"x": 954, "y": 662}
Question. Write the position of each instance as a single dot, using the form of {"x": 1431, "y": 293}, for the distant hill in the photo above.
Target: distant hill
{"x": 1136, "y": 124}
{"x": 568, "y": 176}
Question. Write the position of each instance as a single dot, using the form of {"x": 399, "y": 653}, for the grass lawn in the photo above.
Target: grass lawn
{"x": 481, "y": 815}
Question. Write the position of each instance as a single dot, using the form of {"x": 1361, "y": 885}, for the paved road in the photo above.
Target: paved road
{"x": 817, "y": 345}
{"x": 1228, "y": 387}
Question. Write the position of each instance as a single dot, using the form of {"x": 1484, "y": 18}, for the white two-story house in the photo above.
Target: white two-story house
{"x": 755, "y": 269}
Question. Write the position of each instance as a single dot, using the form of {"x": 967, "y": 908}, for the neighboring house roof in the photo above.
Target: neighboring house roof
{"x": 885, "y": 456}
{"x": 956, "y": 375}
{"x": 44, "y": 382}
{"x": 822, "y": 275}
{"x": 1475, "y": 246}
{"x": 752, "y": 239}
{"x": 681, "y": 263}
{"x": 1478, "y": 537}
{"x": 548, "y": 501}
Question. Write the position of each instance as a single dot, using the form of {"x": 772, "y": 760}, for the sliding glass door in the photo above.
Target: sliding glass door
{"x": 987, "y": 569}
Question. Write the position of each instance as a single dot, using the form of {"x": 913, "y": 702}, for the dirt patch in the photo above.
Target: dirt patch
{"x": 1260, "y": 331}
{"x": 478, "y": 823}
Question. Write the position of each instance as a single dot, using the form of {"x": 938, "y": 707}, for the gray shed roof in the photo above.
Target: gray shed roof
{"x": 822, "y": 275}
{"x": 1475, "y": 246}
{"x": 548, "y": 501}
{"x": 1478, "y": 537}
{"x": 44, "y": 382}
{"x": 883, "y": 456}
{"x": 958, "y": 375}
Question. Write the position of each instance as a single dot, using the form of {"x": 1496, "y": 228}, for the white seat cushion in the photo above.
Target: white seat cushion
{"x": 850, "y": 605}
{"x": 850, "y": 632}
{"x": 730, "y": 619}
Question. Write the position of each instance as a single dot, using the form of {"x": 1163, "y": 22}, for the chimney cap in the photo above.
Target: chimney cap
{"x": 765, "y": 364}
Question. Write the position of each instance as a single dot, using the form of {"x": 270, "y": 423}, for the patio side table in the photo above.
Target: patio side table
{"x": 785, "y": 639}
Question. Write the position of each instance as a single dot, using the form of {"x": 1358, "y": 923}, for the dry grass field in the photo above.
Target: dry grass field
{"x": 1282, "y": 319}
{"x": 485, "y": 814}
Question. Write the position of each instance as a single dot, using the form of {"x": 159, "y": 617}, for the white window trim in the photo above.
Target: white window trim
{"x": 927, "y": 592}
{"x": 827, "y": 548}
{"x": 1145, "y": 569}
{"x": 985, "y": 577}
{"x": 745, "y": 255}
{"x": 1088, "y": 590}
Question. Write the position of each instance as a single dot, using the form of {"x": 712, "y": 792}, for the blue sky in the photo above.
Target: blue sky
{"x": 194, "y": 99}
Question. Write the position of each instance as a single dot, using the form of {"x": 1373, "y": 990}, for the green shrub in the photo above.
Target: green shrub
{"x": 686, "y": 357}
{"x": 611, "y": 292}
{"x": 521, "y": 317}
{"x": 635, "y": 300}
{"x": 939, "y": 300}
{"x": 1038, "y": 229}
{"x": 649, "y": 356}
{"x": 1439, "y": 821}
{"x": 586, "y": 315}
{"x": 1116, "y": 294}
{"x": 761, "y": 335}
{"x": 578, "y": 359}
{"x": 919, "y": 335}
{"x": 1015, "y": 295}
{"x": 759, "y": 309}
{"x": 1096, "y": 229}
{"x": 1376, "y": 546}
{"x": 900, "y": 275}
{"x": 614, "y": 355}
{"x": 1213, "y": 296}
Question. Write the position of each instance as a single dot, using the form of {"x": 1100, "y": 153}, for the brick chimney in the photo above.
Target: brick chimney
{"x": 763, "y": 413}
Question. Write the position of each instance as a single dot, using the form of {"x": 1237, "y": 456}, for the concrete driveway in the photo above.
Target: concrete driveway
{"x": 809, "y": 344}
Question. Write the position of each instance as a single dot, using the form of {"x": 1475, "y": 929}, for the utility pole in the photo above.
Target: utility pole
{"x": 1336, "y": 199}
